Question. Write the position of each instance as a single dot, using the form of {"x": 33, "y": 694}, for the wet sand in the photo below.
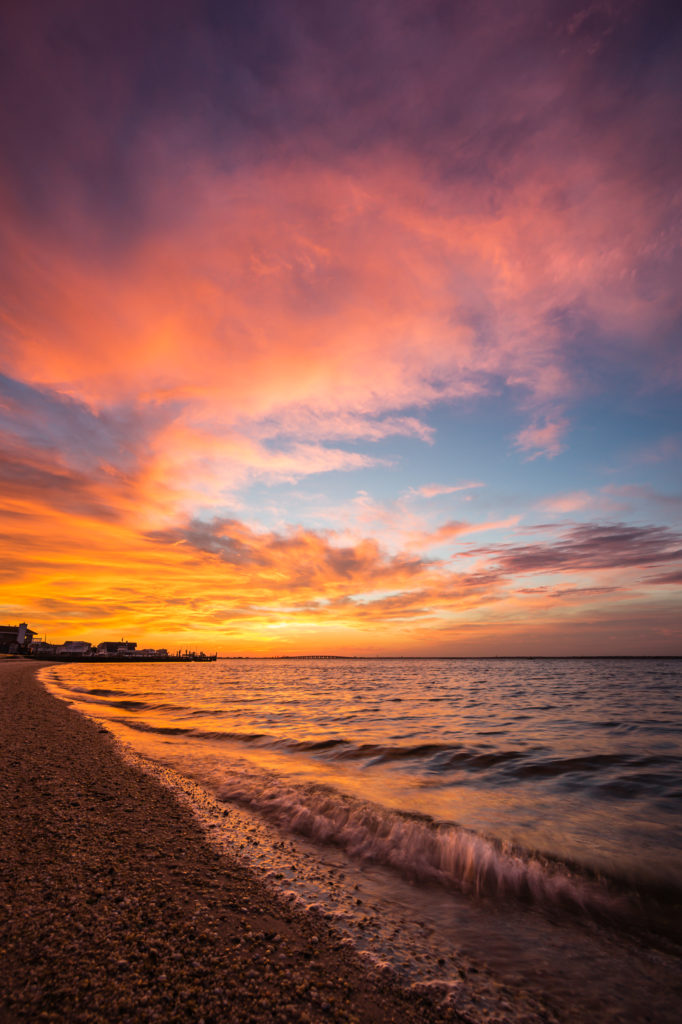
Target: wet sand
{"x": 114, "y": 907}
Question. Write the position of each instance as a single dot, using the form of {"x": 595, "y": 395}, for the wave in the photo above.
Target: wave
{"x": 161, "y": 730}
{"x": 437, "y": 758}
{"x": 424, "y": 850}
{"x": 118, "y": 699}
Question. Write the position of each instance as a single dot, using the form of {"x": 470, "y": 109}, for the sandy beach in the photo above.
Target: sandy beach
{"x": 113, "y": 906}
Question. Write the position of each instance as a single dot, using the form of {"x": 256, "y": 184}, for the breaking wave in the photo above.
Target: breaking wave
{"x": 577, "y": 767}
{"x": 424, "y": 850}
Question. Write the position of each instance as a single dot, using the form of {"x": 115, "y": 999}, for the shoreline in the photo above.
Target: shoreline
{"x": 114, "y": 906}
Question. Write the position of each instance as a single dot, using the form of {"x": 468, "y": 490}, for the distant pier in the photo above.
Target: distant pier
{"x": 124, "y": 659}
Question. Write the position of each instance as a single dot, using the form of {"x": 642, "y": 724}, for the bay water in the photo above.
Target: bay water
{"x": 520, "y": 814}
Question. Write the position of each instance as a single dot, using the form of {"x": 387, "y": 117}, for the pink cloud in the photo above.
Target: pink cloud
{"x": 303, "y": 290}
{"x": 451, "y": 530}
{"x": 542, "y": 439}
{"x": 216, "y": 466}
{"x": 303, "y": 422}
{"x": 565, "y": 503}
{"x": 435, "y": 490}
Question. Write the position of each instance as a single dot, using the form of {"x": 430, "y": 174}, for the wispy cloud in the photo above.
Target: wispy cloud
{"x": 672, "y": 578}
{"x": 567, "y": 503}
{"x": 589, "y": 546}
{"x": 542, "y": 439}
{"x": 666, "y": 449}
{"x": 436, "y": 490}
{"x": 450, "y": 531}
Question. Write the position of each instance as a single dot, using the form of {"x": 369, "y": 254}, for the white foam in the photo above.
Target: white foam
{"x": 422, "y": 850}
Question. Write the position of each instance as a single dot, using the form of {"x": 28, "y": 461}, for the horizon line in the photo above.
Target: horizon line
{"x": 434, "y": 657}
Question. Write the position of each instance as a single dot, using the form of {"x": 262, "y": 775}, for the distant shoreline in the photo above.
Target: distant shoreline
{"x": 113, "y": 659}
{"x": 448, "y": 657}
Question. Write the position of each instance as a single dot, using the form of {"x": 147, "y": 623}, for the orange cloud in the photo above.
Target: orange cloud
{"x": 277, "y": 308}
{"x": 273, "y": 288}
{"x": 227, "y": 585}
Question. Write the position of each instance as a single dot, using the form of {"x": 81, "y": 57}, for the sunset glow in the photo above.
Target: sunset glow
{"x": 342, "y": 329}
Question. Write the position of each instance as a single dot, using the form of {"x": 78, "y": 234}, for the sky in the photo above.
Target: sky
{"x": 346, "y": 328}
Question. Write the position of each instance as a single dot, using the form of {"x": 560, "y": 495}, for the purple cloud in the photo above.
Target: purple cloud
{"x": 590, "y": 546}
{"x": 669, "y": 577}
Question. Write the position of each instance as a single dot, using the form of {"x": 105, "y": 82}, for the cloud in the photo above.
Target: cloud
{"x": 423, "y": 540}
{"x": 326, "y": 248}
{"x": 59, "y": 452}
{"x": 347, "y": 426}
{"x": 152, "y": 452}
{"x": 317, "y": 578}
{"x": 590, "y": 546}
{"x": 436, "y": 490}
{"x": 34, "y": 484}
{"x": 640, "y": 492}
{"x": 673, "y": 578}
{"x": 298, "y": 559}
{"x": 566, "y": 503}
{"x": 74, "y": 432}
{"x": 666, "y": 449}
{"x": 370, "y": 278}
{"x": 612, "y": 500}
{"x": 545, "y": 439}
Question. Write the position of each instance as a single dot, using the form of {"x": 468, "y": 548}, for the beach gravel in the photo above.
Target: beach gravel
{"x": 113, "y": 907}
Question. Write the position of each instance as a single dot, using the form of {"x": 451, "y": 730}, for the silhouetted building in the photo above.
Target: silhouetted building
{"x": 75, "y": 647}
{"x": 115, "y": 646}
{"x": 15, "y": 639}
{"x": 42, "y": 648}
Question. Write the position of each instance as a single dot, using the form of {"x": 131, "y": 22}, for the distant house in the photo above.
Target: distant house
{"x": 75, "y": 647}
{"x": 15, "y": 639}
{"x": 42, "y": 649}
{"x": 115, "y": 646}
